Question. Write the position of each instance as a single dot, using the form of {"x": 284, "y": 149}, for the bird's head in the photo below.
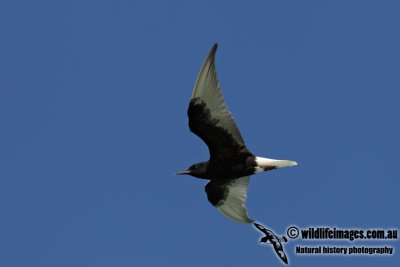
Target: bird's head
{"x": 198, "y": 170}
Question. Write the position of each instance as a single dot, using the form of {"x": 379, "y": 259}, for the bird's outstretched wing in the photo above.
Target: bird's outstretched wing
{"x": 279, "y": 251}
{"x": 261, "y": 228}
{"x": 209, "y": 117}
{"x": 229, "y": 197}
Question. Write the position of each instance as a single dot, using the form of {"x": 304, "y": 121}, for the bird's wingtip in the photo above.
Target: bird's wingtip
{"x": 213, "y": 50}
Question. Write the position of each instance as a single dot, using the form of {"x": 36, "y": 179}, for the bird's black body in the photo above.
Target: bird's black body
{"x": 243, "y": 165}
{"x": 220, "y": 170}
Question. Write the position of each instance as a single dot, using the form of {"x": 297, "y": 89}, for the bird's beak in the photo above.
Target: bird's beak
{"x": 183, "y": 172}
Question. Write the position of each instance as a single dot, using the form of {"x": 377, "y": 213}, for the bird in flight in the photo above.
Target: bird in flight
{"x": 274, "y": 240}
{"x": 231, "y": 163}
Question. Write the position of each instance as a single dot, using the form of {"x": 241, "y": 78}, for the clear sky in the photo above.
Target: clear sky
{"x": 93, "y": 100}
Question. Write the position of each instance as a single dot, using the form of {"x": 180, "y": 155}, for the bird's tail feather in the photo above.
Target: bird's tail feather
{"x": 275, "y": 163}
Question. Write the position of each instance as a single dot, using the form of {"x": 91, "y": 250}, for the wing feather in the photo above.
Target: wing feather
{"x": 229, "y": 197}
{"x": 209, "y": 117}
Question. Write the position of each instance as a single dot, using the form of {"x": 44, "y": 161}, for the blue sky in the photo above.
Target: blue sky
{"x": 93, "y": 100}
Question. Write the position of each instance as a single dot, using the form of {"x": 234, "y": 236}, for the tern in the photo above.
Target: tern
{"x": 231, "y": 163}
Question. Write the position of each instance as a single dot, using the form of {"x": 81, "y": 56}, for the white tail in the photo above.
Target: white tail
{"x": 266, "y": 163}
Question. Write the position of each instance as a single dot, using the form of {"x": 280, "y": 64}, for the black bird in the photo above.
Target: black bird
{"x": 274, "y": 240}
{"x": 231, "y": 163}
